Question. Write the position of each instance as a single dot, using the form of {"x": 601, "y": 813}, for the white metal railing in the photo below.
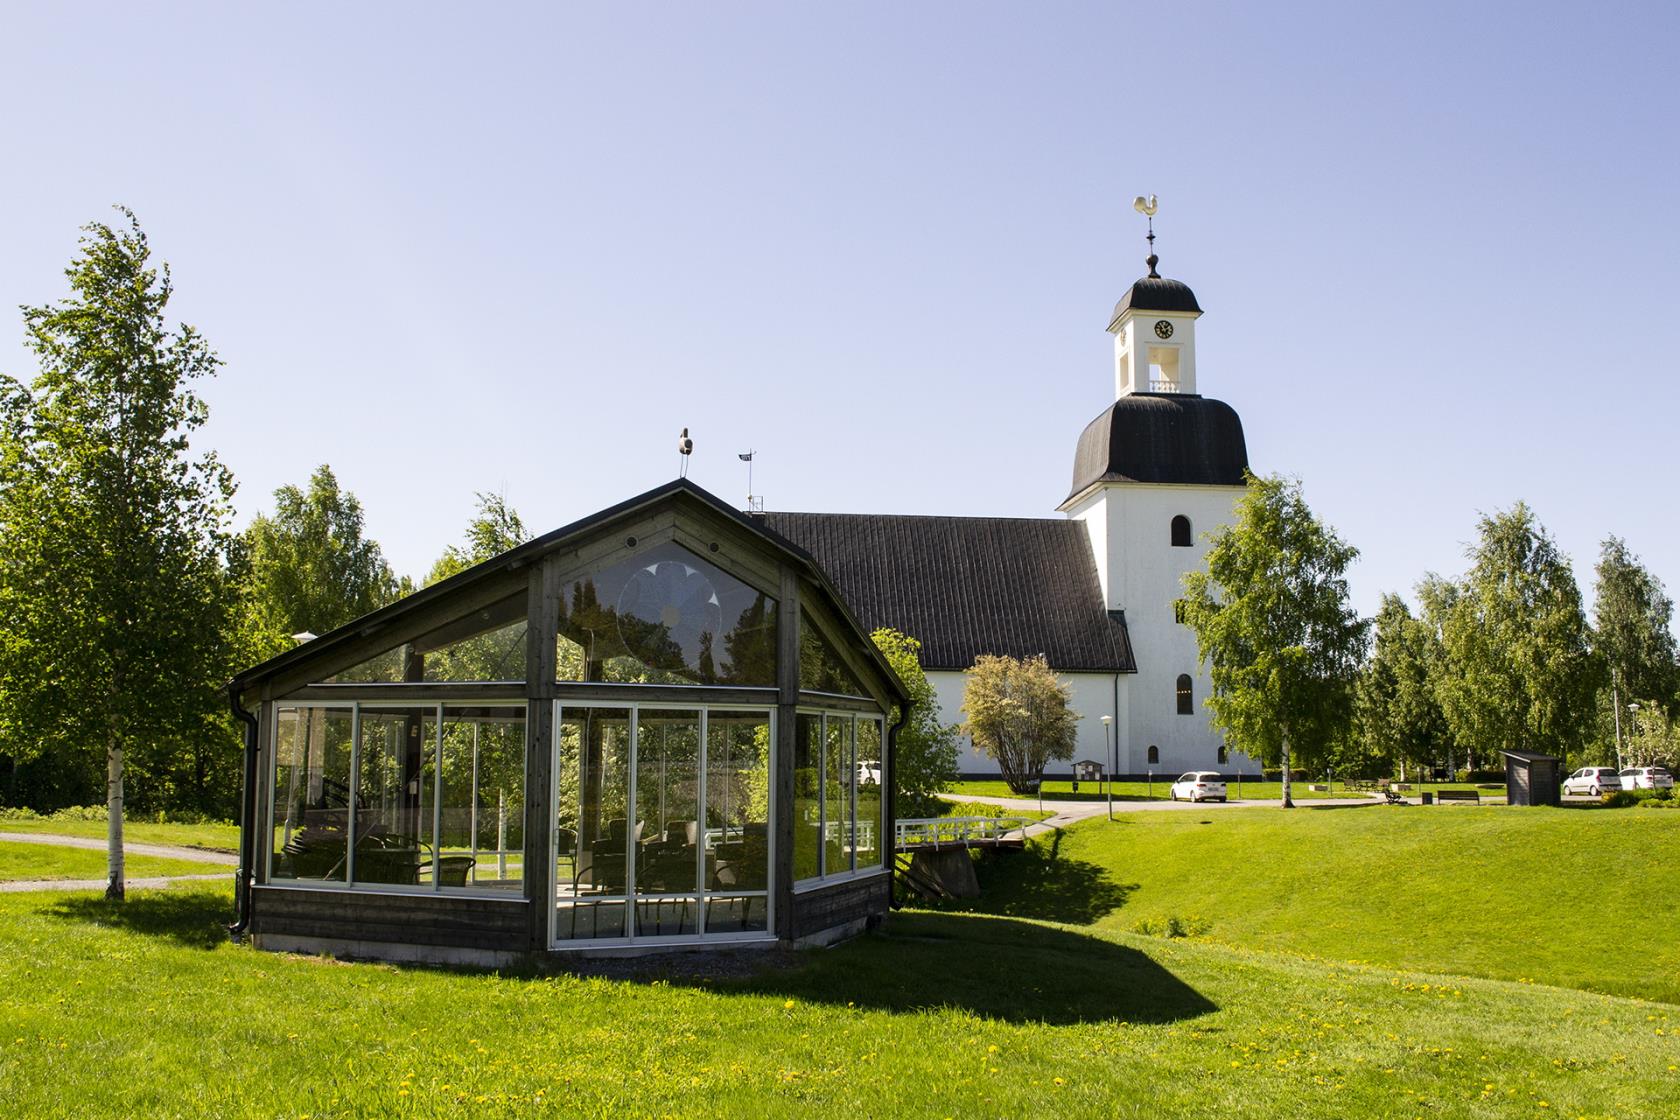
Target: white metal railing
{"x": 1163, "y": 385}
{"x": 936, "y": 832}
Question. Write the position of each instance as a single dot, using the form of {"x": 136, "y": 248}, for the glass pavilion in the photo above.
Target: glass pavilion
{"x": 658, "y": 726}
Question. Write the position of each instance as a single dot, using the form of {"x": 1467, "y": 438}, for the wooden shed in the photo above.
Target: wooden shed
{"x": 1531, "y": 779}
{"x": 659, "y": 726}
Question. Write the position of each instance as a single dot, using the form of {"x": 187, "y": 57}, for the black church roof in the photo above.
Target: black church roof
{"x": 964, "y": 586}
{"x": 1162, "y": 437}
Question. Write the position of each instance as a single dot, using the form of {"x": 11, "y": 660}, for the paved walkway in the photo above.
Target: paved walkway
{"x": 166, "y": 851}
{"x": 1083, "y": 810}
{"x": 1064, "y": 813}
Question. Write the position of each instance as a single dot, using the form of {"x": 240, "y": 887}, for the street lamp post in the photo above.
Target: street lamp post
{"x": 1108, "y": 750}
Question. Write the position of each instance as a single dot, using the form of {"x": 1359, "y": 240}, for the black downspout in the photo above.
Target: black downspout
{"x": 247, "y": 818}
{"x": 889, "y": 776}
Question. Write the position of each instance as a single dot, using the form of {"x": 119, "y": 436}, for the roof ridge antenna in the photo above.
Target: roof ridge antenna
{"x": 755, "y": 503}
{"x": 1147, "y": 207}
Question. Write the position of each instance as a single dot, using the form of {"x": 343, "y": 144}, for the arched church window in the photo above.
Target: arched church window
{"x": 1154, "y": 754}
{"x": 1181, "y": 531}
{"x": 1186, "y": 701}
{"x": 1224, "y": 755}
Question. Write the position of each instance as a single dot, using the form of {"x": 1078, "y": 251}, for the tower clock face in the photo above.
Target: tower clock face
{"x": 1163, "y": 329}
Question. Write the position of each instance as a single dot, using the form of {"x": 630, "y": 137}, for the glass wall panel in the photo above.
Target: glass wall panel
{"x": 482, "y": 842}
{"x": 311, "y": 794}
{"x": 807, "y": 797}
{"x": 737, "y": 821}
{"x": 664, "y": 615}
{"x": 837, "y": 796}
{"x": 592, "y": 812}
{"x": 870, "y": 836}
{"x": 390, "y": 825}
{"x": 820, "y": 668}
{"x": 667, "y": 820}
{"x": 487, "y": 645}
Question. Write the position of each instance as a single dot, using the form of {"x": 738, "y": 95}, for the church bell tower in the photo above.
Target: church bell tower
{"x": 1156, "y": 472}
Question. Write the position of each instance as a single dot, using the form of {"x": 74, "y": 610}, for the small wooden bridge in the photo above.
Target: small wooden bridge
{"x": 918, "y": 834}
{"x": 930, "y": 854}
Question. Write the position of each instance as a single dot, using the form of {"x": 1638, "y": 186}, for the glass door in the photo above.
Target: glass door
{"x": 594, "y": 843}
{"x": 662, "y": 822}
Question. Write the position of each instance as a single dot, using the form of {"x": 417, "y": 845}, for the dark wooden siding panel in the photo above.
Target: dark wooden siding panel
{"x": 481, "y": 923}
{"x": 828, "y": 907}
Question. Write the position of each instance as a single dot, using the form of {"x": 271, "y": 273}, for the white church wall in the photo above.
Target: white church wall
{"x": 1092, "y": 697}
{"x": 1144, "y": 574}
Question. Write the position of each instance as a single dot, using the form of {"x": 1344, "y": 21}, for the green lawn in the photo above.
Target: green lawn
{"x": 1586, "y": 898}
{"x": 216, "y": 837}
{"x": 43, "y": 861}
{"x": 142, "y": 1009}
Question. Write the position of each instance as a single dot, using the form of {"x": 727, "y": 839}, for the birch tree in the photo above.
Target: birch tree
{"x": 309, "y": 566}
{"x": 1521, "y": 675}
{"x": 113, "y": 587}
{"x": 1272, "y": 621}
{"x": 1631, "y": 615}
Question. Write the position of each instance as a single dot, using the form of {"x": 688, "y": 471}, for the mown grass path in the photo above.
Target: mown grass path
{"x": 211, "y": 837}
{"x": 40, "y": 862}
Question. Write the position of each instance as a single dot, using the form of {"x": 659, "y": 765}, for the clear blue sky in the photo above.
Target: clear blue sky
{"x": 518, "y": 247}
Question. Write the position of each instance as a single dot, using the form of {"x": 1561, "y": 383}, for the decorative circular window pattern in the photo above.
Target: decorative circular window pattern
{"x": 667, "y": 612}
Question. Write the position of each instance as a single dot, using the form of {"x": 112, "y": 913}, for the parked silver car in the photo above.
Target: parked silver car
{"x": 1646, "y": 777}
{"x": 1592, "y": 781}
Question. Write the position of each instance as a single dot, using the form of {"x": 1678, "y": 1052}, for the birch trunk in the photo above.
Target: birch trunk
{"x": 1287, "y": 802}
{"x": 114, "y": 823}
{"x": 1616, "y": 711}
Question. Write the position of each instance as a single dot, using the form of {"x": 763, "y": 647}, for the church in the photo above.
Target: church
{"x": 1096, "y": 590}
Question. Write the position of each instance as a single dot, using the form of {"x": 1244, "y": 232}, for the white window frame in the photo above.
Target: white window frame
{"x": 630, "y": 899}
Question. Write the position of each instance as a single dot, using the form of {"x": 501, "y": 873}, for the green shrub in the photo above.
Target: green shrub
{"x": 18, "y": 814}
{"x": 1173, "y": 926}
{"x": 81, "y": 813}
{"x": 1623, "y": 798}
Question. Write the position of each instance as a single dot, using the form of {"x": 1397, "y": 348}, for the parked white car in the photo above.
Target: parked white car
{"x": 1592, "y": 781}
{"x": 1199, "y": 785}
{"x": 1647, "y": 777}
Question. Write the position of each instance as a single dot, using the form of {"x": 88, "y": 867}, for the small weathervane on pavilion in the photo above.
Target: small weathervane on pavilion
{"x": 1147, "y": 207}
{"x": 685, "y": 448}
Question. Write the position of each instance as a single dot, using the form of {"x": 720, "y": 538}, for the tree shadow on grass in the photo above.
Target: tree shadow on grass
{"x": 197, "y": 919}
{"x": 996, "y": 968}
{"x": 1039, "y": 882}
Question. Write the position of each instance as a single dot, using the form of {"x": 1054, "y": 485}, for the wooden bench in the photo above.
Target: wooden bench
{"x": 1458, "y": 795}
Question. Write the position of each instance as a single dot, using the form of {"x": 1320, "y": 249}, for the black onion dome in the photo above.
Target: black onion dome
{"x": 1162, "y": 437}
{"x": 1156, "y": 293}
